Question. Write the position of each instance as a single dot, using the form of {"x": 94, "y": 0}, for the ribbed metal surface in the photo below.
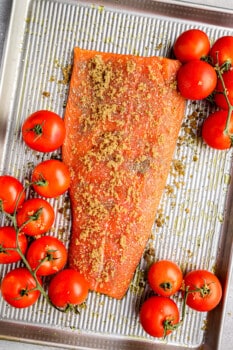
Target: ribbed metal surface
{"x": 192, "y": 213}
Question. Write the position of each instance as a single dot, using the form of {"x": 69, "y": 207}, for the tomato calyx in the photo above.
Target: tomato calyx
{"x": 74, "y": 308}
{"x": 224, "y": 67}
{"x": 204, "y": 290}
{"x": 26, "y": 291}
{"x": 37, "y": 129}
{"x": 50, "y": 256}
{"x": 166, "y": 286}
{"x": 169, "y": 326}
{"x": 36, "y": 215}
{"x": 5, "y": 250}
{"x": 33, "y": 217}
{"x": 41, "y": 181}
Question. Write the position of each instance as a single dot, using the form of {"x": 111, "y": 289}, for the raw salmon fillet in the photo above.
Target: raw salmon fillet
{"x": 122, "y": 120}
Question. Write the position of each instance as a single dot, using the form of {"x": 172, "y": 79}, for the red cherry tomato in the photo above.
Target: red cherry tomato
{"x": 157, "y": 314}
{"x": 18, "y": 288}
{"x": 205, "y": 290}
{"x": 165, "y": 277}
{"x": 219, "y": 98}
{"x": 68, "y": 287}
{"x": 48, "y": 252}
{"x": 38, "y": 213}
{"x": 192, "y": 44}
{"x": 43, "y": 131}
{"x": 51, "y": 178}
{"x": 8, "y": 242}
{"x": 196, "y": 80}
{"x": 222, "y": 50}
{"x": 213, "y": 130}
{"x": 12, "y": 193}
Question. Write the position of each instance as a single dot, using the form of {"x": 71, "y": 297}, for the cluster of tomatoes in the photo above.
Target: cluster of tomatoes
{"x": 159, "y": 314}
{"x": 207, "y": 71}
{"x": 25, "y": 239}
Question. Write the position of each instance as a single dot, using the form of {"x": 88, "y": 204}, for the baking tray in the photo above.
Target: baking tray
{"x": 193, "y": 225}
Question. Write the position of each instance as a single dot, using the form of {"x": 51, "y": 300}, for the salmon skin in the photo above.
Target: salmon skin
{"x": 122, "y": 119}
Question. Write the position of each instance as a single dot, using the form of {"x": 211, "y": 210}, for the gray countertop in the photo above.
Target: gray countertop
{"x": 5, "y": 8}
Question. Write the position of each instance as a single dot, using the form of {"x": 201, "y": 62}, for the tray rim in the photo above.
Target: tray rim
{"x": 187, "y": 9}
{"x": 199, "y": 6}
{"x": 13, "y": 41}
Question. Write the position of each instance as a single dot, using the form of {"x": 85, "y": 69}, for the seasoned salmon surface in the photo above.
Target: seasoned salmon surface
{"x": 122, "y": 120}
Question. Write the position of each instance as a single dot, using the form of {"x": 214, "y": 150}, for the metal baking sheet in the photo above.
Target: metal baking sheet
{"x": 195, "y": 215}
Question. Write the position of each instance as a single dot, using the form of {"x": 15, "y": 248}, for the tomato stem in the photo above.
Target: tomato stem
{"x": 204, "y": 290}
{"x": 230, "y": 107}
{"x": 18, "y": 229}
{"x": 34, "y": 274}
{"x": 34, "y": 217}
{"x": 220, "y": 70}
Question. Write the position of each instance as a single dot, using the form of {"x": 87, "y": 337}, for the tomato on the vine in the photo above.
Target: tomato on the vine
{"x": 8, "y": 245}
{"x": 219, "y": 97}
{"x": 51, "y": 178}
{"x": 165, "y": 277}
{"x": 159, "y": 316}
{"x": 35, "y": 217}
{"x": 204, "y": 290}
{"x": 18, "y": 288}
{"x": 48, "y": 253}
{"x": 43, "y": 131}
{"x": 68, "y": 287}
{"x": 222, "y": 50}
{"x": 12, "y": 193}
{"x": 196, "y": 80}
{"x": 213, "y": 130}
{"x": 192, "y": 44}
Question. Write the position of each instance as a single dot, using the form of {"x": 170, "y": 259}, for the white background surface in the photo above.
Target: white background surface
{"x": 5, "y": 6}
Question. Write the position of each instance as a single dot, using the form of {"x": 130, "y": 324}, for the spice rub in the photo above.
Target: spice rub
{"x": 122, "y": 120}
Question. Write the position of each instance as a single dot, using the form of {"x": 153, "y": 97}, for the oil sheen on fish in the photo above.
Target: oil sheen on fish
{"x": 122, "y": 119}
